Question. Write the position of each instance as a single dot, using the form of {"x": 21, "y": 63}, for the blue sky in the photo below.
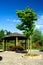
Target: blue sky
{"x": 8, "y": 16}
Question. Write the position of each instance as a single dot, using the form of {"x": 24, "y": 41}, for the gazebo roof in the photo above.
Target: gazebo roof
{"x": 14, "y": 35}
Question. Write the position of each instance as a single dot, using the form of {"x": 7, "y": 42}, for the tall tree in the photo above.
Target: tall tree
{"x": 37, "y": 36}
{"x": 1, "y": 34}
{"x": 42, "y": 40}
{"x": 28, "y": 18}
{"x": 7, "y": 32}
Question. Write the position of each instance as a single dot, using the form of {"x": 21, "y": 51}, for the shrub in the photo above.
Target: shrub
{"x": 12, "y": 48}
{"x": 16, "y": 48}
{"x": 31, "y": 55}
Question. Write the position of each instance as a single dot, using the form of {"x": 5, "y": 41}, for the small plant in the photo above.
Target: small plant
{"x": 12, "y": 48}
{"x": 31, "y": 55}
{"x": 16, "y": 48}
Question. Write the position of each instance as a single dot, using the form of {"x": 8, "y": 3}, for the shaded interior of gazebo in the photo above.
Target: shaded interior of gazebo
{"x": 13, "y": 36}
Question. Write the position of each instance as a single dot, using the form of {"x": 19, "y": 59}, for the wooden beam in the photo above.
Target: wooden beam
{"x": 28, "y": 44}
{"x": 16, "y": 41}
{"x": 4, "y": 45}
{"x": 25, "y": 44}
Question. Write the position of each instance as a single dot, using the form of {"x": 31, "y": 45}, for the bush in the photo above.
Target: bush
{"x": 11, "y": 48}
{"x": 16, "y": 48}
{"x": 31, "y": 54}
{"x": 37, "y": 44}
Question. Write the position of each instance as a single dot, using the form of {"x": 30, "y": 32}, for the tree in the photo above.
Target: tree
{"x": 42, "y": 40}
{"x": 1, "y": 34}
{"x": 7, "y": 32}
{"x": 28, "y": 18}
{"x": 37, "y": 36}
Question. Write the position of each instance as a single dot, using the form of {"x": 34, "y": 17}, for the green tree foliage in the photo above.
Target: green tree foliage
{"x": 1, "y": 34}
{"x": 37, "y": 36}
{"x": 28, "y": 18}
{"x": 42, "y": 40}
{"x": 7, "y": 32}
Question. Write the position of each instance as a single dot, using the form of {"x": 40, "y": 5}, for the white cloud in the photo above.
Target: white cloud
{"x": 16, "y": 20}
{"x": 40, "y": 20}
{"x": 8, "y": 20}
{"x": 39, "y": 23}
{"x": 13, "y": 20}
{"x": 39, "y": 26}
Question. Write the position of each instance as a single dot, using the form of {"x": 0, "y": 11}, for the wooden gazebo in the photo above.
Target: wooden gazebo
{"x": 13, "y": 36}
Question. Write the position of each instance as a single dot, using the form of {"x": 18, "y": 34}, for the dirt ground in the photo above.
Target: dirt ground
{"x": 13, "y": 58}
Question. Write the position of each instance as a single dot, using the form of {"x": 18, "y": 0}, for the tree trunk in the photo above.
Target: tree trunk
{"x": 30, "y": 44}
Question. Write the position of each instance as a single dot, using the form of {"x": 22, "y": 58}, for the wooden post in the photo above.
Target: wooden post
{"x": 28, "y": 44}
{"x": 4, "y": 45}
{"x": 16, "y": 41}
{"x": 25, "y": 44}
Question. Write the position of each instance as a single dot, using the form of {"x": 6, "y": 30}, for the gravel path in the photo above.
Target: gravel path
{"x": 12, "y": 58}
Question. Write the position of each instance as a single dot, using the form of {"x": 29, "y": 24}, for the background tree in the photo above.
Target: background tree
{"x": 1, "y": 34}
{"x": 28, "y": 18}
{"x": 7, "y": 32}
{"x": 42, "y": 40}
{"x": 36, "y": 36}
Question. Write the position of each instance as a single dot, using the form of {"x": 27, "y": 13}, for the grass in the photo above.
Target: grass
{"x": 0, "y": 47}
{"x": 8, "y": 44}
{"x": 31, "y": 55}
{"x": 38, "y": 48}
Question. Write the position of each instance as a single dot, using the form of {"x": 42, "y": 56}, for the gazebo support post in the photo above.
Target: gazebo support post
{"x": 4, "y": 45}
{"x": 16, "y": 41}
{"x": 28, "y": 44}
{"x": 25, "y": 44}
